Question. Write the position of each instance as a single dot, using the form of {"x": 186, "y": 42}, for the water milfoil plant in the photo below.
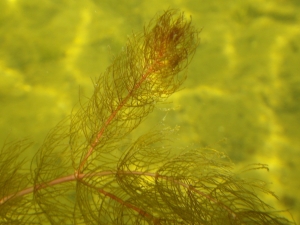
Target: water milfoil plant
{"x": 80, "y": 176}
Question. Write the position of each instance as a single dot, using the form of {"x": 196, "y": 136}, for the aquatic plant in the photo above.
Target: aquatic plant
{"x": 79, "y": 177}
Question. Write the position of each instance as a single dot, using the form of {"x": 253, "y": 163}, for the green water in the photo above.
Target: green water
{"x": 241, "y": 95}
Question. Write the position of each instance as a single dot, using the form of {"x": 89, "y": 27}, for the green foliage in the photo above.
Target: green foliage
{"x": 78, "y": 176}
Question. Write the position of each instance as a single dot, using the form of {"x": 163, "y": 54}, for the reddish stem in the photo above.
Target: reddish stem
{"x": 112, "y": 196}
{"x": 151, "y": 69}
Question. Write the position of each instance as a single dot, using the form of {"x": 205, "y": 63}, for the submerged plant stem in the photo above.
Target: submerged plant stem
{"x": 75, "y": 178}
{"x": 114, "y": 113}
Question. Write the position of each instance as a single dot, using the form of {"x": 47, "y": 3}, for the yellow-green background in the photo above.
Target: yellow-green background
{"x": 242, "y": 94}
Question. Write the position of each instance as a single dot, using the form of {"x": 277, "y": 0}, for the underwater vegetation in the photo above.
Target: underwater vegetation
{"x": 78, "y": 176}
